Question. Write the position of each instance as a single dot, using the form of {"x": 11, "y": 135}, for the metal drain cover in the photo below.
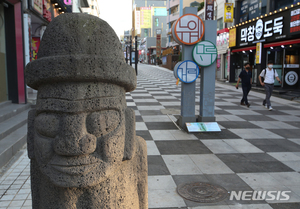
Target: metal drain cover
{"x": 202, "y": 192}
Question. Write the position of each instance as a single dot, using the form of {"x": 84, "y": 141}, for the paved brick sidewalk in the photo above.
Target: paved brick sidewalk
{"x": 257, "y": 149}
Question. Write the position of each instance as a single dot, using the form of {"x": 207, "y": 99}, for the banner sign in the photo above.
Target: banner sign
{"x": 35, "y": 44}
{"x": 209, "y": 10}
{"x": 228, "y": 11}
{"x": 232, "y": 37}
{"x": 295, "y": 21}
{"x": 137, "y": 21}
{"x": 145, "y": 17}
{"x": 158, "y": 45}
{"x": 258, "y": 53}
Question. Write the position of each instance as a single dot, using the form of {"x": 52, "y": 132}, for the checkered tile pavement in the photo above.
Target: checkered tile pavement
{"x": 257, "y": 149}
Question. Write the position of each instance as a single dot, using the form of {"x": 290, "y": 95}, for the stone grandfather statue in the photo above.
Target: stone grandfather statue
{"x": 81, "y": 135}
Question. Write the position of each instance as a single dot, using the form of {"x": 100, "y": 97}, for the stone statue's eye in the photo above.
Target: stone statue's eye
{"x": 101, "y": 123}
{"x": 47, "y": 124}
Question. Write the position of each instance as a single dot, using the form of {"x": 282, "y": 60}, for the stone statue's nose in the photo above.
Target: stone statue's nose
{"x": 74, "y": 139}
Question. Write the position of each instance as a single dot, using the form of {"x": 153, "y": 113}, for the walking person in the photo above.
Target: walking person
{"x": 246, "y": 77}
{"x": 269, "y": 74}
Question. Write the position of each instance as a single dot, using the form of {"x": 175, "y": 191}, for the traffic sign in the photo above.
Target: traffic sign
{"x": 188, "y": 29}
{"x": 187, "y": 71}
{"x": 205, "y": 53}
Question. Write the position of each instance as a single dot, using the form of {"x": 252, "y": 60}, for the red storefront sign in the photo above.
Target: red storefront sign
{"x": 46, "y": 13}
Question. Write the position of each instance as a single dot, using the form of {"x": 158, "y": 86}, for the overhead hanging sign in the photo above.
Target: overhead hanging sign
{"x": 188, "y": 29}
{"x": 232, "y": 37}
{"x": 258, "y": 53}
{"x": 228, "y": 11}
{"x": 209, "y": 9}
{"x": 205, "y": 53}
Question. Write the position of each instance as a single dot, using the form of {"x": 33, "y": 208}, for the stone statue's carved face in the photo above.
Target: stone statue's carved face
{"x": 79, "y": 132}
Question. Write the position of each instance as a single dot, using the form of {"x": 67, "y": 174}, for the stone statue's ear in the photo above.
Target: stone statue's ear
{"x": 30, "y": 133}
{"x": 130, "y": 143}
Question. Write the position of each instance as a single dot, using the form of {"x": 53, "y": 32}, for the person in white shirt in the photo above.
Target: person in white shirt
{"x": 269, "y": 74}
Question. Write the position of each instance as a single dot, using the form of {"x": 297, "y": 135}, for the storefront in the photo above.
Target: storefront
{"x": 222, "y": 72}
{"x": 39, "y": 13}
{"x": 270, "y": 37}
{"x": 12, "y": 84}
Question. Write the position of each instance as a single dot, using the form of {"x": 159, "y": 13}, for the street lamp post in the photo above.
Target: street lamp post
{"x": 136, "y": 55}
{"x": 130, "y": 48}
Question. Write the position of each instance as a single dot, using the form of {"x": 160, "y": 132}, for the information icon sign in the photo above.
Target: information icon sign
{"x": 188, "y": 29}
{"x": 187, "y": 71}
{"x": 205, "y": 53}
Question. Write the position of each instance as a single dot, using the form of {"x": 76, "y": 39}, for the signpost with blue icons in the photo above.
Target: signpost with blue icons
{"x": 187, "y": 71}
{"x": 188, "y": 31}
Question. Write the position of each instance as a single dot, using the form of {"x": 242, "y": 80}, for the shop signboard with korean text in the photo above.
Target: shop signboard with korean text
{"x": 250, "y": 9}
{"x": 232, "y": 37}
{"x": 145, "y": 17}
{"x": 258, "y": 53}
{"x": 228, "y": 11}
{"x": 244, "y": 11}
{"x": 38, "y": 6}
{"x": 295, "y": 21}
{"x": 272, "y": 28}
{"x": 209, "y": 10}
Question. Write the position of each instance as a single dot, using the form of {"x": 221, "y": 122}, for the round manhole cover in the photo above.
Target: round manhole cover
{"x": 202, "y": 192}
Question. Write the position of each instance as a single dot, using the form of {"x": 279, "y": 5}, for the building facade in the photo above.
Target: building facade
{"x": 272, "y": 35}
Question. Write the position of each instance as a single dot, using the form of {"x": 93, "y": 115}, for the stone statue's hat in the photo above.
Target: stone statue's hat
{"x": 79, "y": 47}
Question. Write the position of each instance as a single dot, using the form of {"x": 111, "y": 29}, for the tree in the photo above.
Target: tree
{"x": 201, "y": 6}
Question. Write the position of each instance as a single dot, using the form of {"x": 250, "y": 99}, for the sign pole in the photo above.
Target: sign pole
{"x": 207, "y": 82}
{"x": 187, "y": 89}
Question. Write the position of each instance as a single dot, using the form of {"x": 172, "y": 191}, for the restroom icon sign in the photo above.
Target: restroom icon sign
{"x": 189, "y": 29}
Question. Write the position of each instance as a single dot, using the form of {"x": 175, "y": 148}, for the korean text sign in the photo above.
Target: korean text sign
{"x": 268, "y": 29}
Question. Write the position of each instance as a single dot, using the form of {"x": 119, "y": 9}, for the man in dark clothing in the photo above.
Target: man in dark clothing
{"x": 246, "y": 76}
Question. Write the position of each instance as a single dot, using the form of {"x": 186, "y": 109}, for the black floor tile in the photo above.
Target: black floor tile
{"x": 181, "y": 147}
{"x": 258, "y": 157}
{"x": 147, "y": 104}
{"x": 221, "y": 112}
{"x": 157, "y": 166}
{"x": 234, "y": 124}
{"x": 223, "y": 134}
{"x": 266, "y": 112}
{"x": 256, "y": 117}
{"x": 287, "y": 144}
{"x": 232, "y": 157}
{"x": 285, "y": 205}
{"x": 150, "y": 112}
{"x": 268, "y": 145}
{"x": 226, "y": 107}
{"x": 161, "y": 126}
{"x": 167, "y": 100}
{"x": 286, "y": 133}
{"x": 144, "y": 134}
{"x": 273, "y": 166}
{"x": 138, "y": 118}
{"x": 296, "y": 124}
